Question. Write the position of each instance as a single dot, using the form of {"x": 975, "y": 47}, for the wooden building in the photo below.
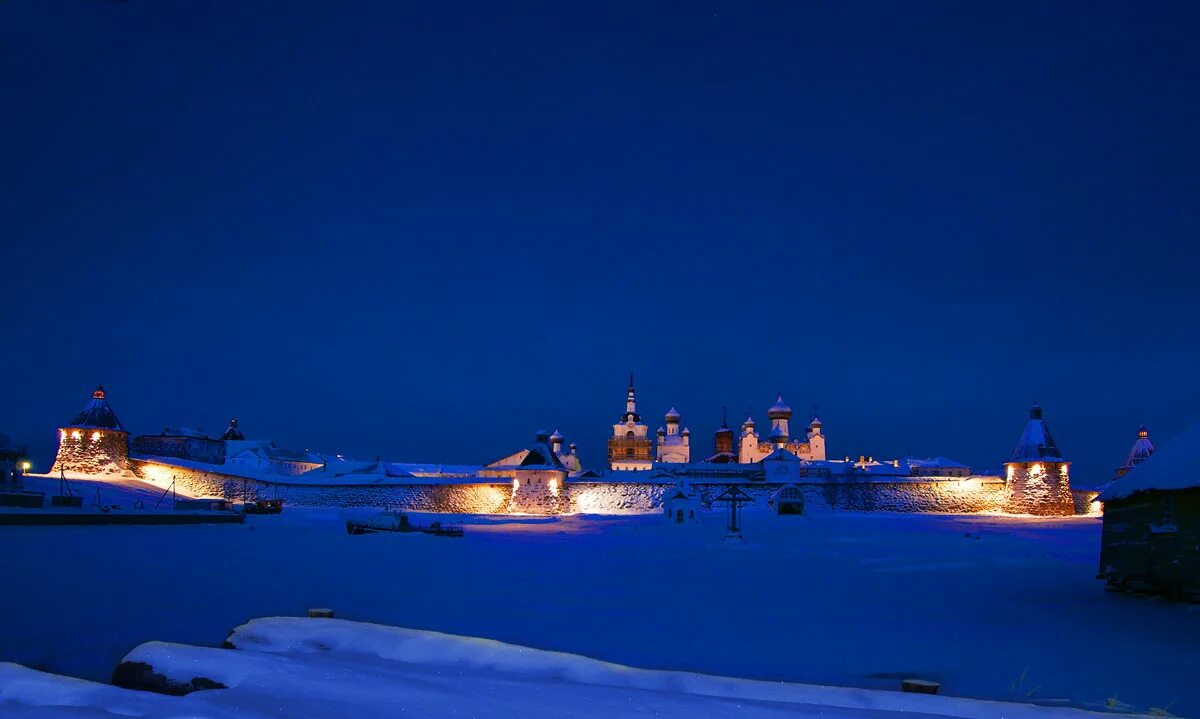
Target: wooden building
{"x": 1151, "y": 537}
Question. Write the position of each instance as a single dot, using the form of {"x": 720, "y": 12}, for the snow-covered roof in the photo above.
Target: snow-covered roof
{"x": 292, "y": 455}
{"x": 672, "y": 415}
{"x": 97, "y": 414}
{"x": 232, "y": 433}
{"x": 944, "y": 462}
{"x": 541, "y": 455}
{"x": 1036, "y": 443}
{"x": 779, "y": 410}
{"x": 183, "y": 432}
{"x": 781, "y": 455}
{"x": 1174, "y": 467}
{"x": 1141, "y": 450}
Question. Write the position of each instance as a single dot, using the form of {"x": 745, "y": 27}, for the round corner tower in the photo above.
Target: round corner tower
{"x": 1037, "y": 478}
{"x": 94, "y": 442}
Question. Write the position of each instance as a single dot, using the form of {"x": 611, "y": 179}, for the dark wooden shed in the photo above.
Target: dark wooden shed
{"x": 1151, "y": 537}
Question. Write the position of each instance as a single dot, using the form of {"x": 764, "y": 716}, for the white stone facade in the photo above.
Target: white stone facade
{"x": 674, "y": 444}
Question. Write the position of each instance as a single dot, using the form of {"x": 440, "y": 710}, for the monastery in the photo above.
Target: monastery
{"x": 548, "y": 477}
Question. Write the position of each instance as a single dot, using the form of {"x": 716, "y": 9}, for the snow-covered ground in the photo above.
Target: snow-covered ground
{"x": 285, "y": 667}
{"x": 992, "y": 607}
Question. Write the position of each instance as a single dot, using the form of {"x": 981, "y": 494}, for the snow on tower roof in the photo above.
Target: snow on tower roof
{"x": 540, "y": 455}
{"x": 556, "y": 437}
{"x": 779, "y": 410}
{"x": 232, "y": 433}
{"x": 1141, "y": 450}
{"x": 1036, "y": 443}
{"x": 672, "y": 415}
{"x": 98, "y": 414}
{"x": 1171, "y": 468}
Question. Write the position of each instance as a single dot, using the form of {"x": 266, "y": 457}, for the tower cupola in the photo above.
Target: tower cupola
{"x": 779, "y": 410}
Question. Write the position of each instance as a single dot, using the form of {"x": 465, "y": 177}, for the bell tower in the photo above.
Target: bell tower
{"x": 629, "y": 447}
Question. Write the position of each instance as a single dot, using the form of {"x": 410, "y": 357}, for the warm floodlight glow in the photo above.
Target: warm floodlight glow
{"x": 516, "y": 484}
{"x": 76, "y": 434}
{"x": 95, "y": 436}
{"x": 26, "y": 466}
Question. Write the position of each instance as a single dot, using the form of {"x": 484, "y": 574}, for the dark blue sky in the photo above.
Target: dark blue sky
{"x": 424, "y": 230}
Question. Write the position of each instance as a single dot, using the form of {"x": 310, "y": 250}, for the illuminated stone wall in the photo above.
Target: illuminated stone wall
{"x": 92, "y": 451}
{"x": 450, "y": 498}
{"x": 953, "y": 495}
{"x": 1041, "y": 488}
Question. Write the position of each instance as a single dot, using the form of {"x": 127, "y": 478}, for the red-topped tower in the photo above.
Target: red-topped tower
{"x": 1140, "y": 452}
{"x": 94, "y": 442}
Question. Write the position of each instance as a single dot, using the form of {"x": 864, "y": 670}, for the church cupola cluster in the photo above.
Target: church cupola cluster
{"x": 674, "y": 444}
{"x": 1140, "y": 452}
{"x": 752, "y": 448}
{"x": 629, "y": 447}
{"x": 1037, "y": 477}
{"x": 94, "y": 442}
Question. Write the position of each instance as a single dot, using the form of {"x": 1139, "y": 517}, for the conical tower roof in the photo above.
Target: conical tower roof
{"x": 1036, "y": 443}
{"x": 98, "y": 414}
{"x": 1141, "y": 450}
{"x": 232, "y": 433}
{"x": 779, "y": 410}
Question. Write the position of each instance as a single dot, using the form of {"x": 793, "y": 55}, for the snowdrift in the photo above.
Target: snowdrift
{"x": 331, "y": 668}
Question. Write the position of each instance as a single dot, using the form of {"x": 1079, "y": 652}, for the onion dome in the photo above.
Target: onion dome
{"x": 815, "y": 422}
{"x": 672, "y": 415}
{"x": 661, "y": 430}
{"x": 779, "y": 410}
{"x": 542, "y": 436}
{"x": 556, "y": 437}
{"x": 686, "y": 432}
{"x": 748, "y": 423}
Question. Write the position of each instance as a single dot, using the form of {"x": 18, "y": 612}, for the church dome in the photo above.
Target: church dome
{"x": 556, "y": 437}
{"x": 672, "y": 415}
{"x": 779, "y": 410}
{"x": 686, "y": 432}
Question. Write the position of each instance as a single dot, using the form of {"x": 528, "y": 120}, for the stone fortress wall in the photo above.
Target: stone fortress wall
{"x": 933, "y": 494}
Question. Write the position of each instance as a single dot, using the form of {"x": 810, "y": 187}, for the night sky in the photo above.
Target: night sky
{"x": 423, "y": 231}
